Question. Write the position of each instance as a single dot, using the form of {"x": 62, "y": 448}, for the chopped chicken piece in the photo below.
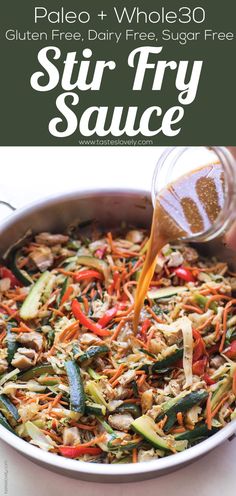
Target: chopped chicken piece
{"x": 190, "y": 254}
{"x": 42, "y": 257}
{"x": 175, "y": 259}
{"x": 24, "y": 358}
{"x": 31, "y": 339}
{"x": 71, "y": 436}
{"x": 134, "y": 236}
{"x": 3, "y": 365}
{"x": 217, "y": 361}
{"x": 5, "y": 284}
{"x": 89, "y": 338}
{"x": 127, "y": 377}
{"x": 49, "y": 239}
{"x": 120, "y": 421}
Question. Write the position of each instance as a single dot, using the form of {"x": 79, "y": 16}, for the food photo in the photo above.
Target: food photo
{"x": 118, "y": 321}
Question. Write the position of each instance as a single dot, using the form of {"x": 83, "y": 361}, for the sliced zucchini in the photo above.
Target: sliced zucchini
{"x": 77, "y": 396}
{"x": 94, "y": 409}
{"x": 182, "y": 405}
{"x": 200, "y": 431}
{"x": 91, "y": 353}
{"x": 167, "y": 362}
{"x": 94, "y": 391}
{"x": 145, "y": 426}
{"x": 20, "y": 274}
{"x": 30, "y": 307}
{"x": 4, "y": 423}
{"x": 9, "y": 410}
{"x": 165, "y": 293}
{"x": 132, "y": 408}
{"x": 223, "y": 387}
{"x": 12, "y": 344}
{"x": 36, "y": 372}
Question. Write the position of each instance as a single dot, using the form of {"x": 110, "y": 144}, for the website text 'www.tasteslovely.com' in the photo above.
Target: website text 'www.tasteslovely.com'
{"x": 115, "y": 142}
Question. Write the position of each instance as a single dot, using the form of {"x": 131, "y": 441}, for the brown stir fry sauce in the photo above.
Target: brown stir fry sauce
{"x": 186, "y": 207}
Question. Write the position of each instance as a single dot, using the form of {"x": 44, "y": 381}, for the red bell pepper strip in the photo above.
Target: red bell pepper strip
{"x": 230, "y": 352}
{"x": 145, "y": 326}
{"x": 76, "y": 451}
{"x": 184, "y": 274}
{"x": 199, "y": 349}
{"x": 7, "y": 273}
{"x": 107, "y": 317}
{"x": 213, "y": 349}
{"x": 199, "y": 366}
{"x": 199, "y": 346}
{"x": 87, "y": 274}
{"x": 66, "y": 295}
{"x": 86, "y": 322}
{"x": 208, "y": 380}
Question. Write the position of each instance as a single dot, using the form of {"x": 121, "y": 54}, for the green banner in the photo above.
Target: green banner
{"x": 121, "y": 73}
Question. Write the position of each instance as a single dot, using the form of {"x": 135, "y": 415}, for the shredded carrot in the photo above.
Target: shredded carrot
{"x": 149, "y": 338}
{"x": 127, "y": 292}
{"x": 132, "y": 400}
{"x": 125, "y": 312}
{"x": 162, "y": 422}
{"x": 217, "y": 330}
{"x": 205, "y": 324}
{"x": 234, "y": 383}
{"x": 69, "y": 328}
{"x": 193, "y": 308}
{"x": 95, "y": 440}
{"x": 53, "y": 436}
{"x": 220, "y": 404}
{"x": 216, "y": 297}
{"x": 85, "y": 427}
{"x": 117, "y": 330}
{"x": 2, "y": 336}
{"x": 156, "y": 318}
{"x": 56, "y": 311}
{"x": 134, "y": 455}
{"x": 178, "y": 430}
{"x": 208, "y": 412}
{"x": 119, "y": 371}
{"x": 225, "y": 314}
{"x": 141, "y": 380}
{"x": 180, "y": 418}
{"x": 25, "y": 327}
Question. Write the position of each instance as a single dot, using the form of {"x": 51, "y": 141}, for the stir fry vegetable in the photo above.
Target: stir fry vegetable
{"x": 77, "y": 381}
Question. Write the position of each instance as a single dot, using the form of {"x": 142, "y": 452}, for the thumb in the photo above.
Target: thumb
{"x": 230, "y": 237}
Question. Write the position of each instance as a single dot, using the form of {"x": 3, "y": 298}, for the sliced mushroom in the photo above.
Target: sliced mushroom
{"x": 175, "y": 259}
{"x": 190, "y": 254}
{"x": 71, "y": 436}
{"x": 5, "y": 284}
{"x": 127, "y": 377}
{"x": 49, "y": 239}
{"x": 24, "y": 358}
{"x": 135, "y": 236}
{"x": 42, "y": 257}
{"x": 147, "y": 400}
{"x": 89, "y": 338}
{"x": 217, "y": 361}
{"x": 121, "y": 422}
{"x": 31, "y": 339}
{"x": 3, "y": 365}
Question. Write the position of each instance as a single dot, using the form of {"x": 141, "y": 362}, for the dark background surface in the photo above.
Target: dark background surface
{"x": 25, "y": 113}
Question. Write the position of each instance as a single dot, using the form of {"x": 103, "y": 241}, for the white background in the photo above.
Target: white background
{"x": 31, "y": 173}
